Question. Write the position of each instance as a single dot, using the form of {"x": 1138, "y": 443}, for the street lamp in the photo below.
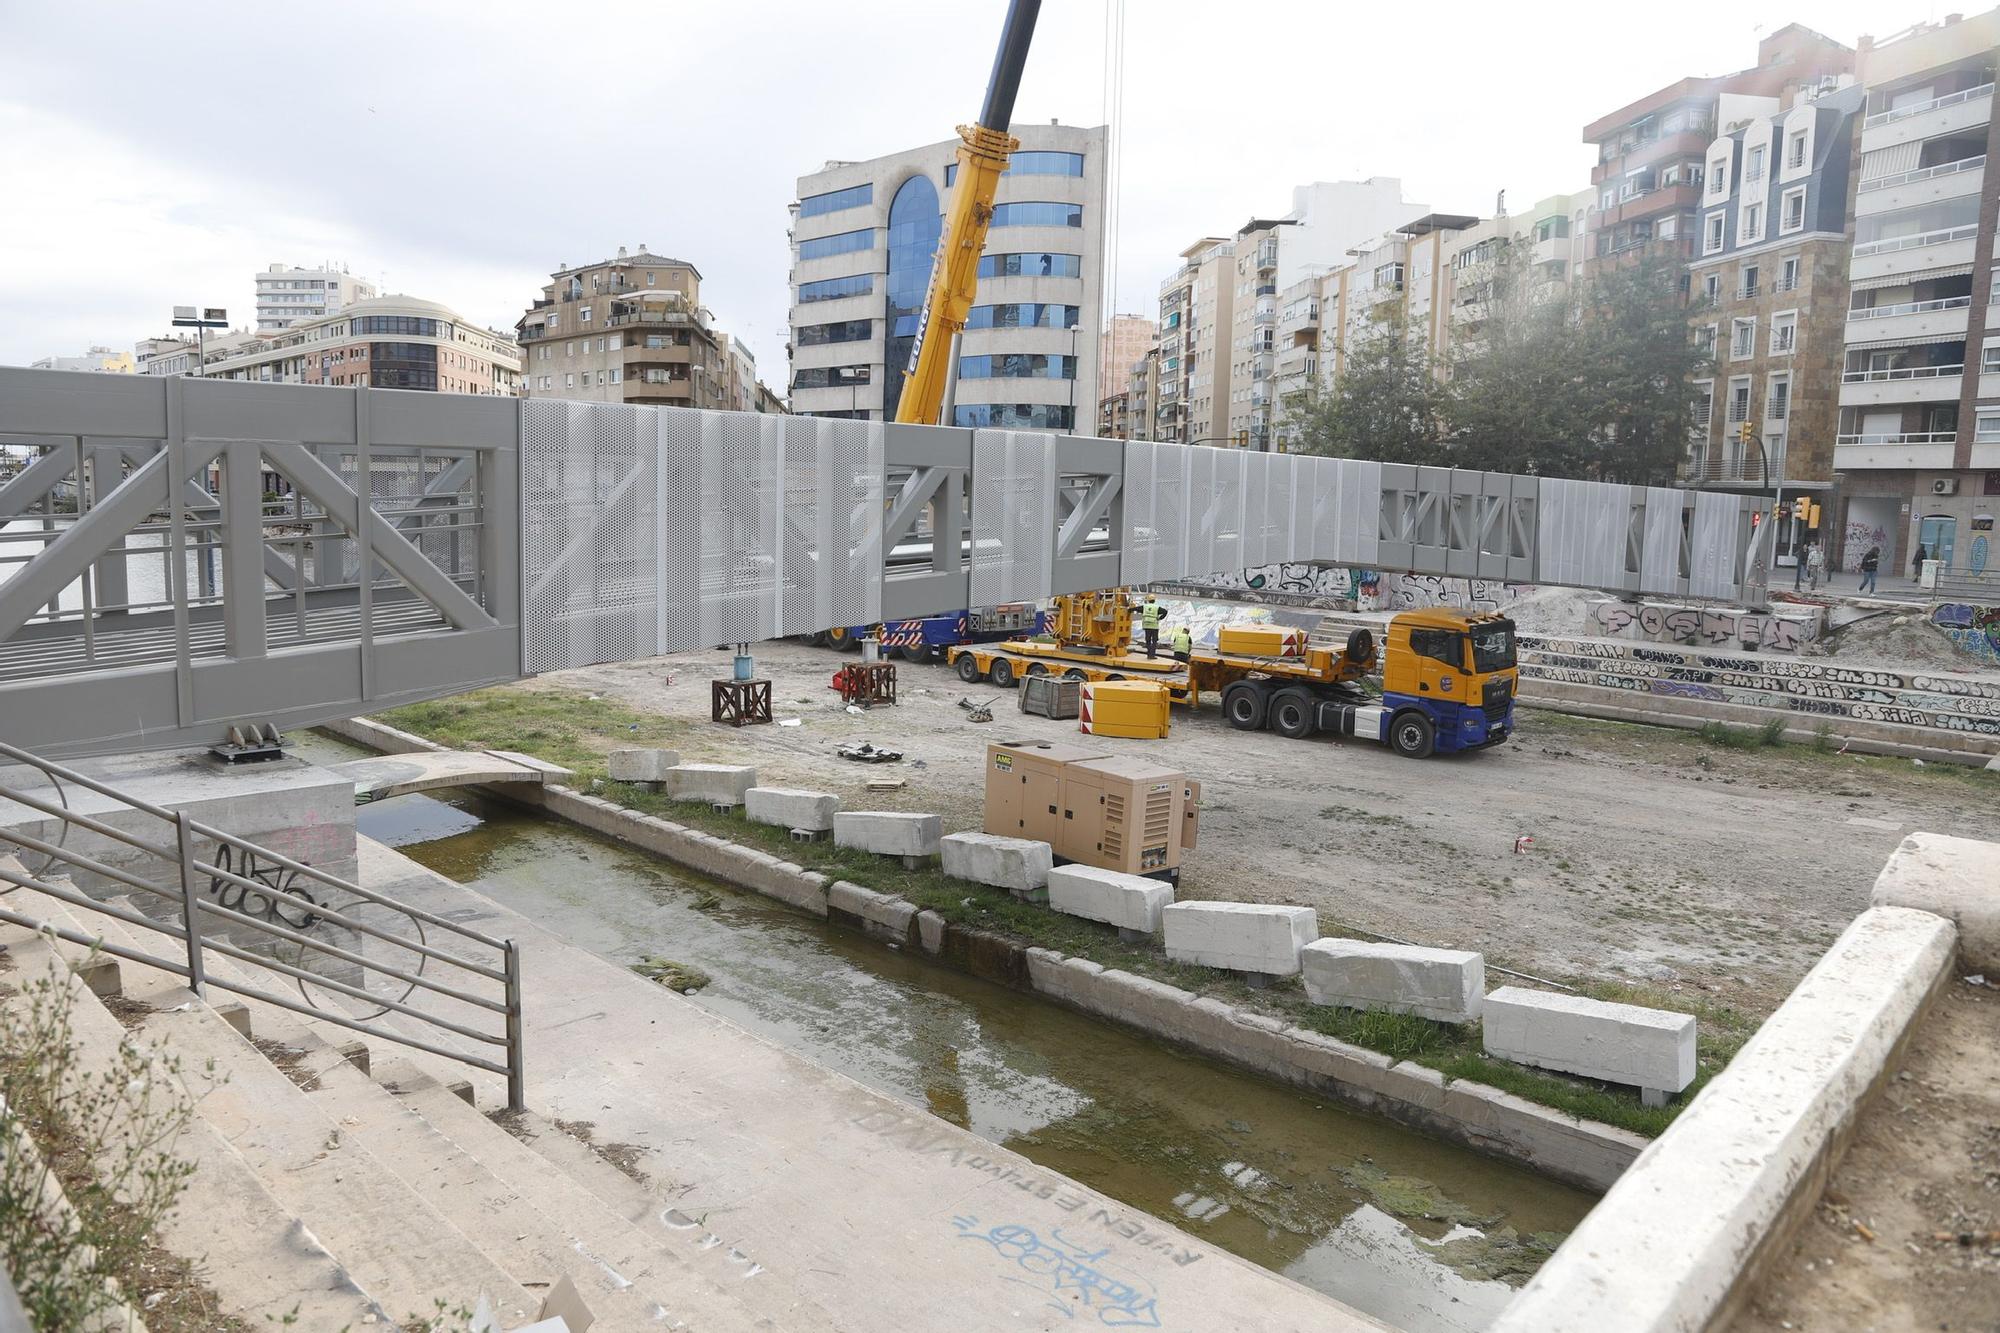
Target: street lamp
{"x": 211, "y": 317}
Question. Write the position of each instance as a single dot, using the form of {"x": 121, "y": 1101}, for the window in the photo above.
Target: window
{"x": 1440, "y": 645}
{"x": 1492, "y": 647}
{"x": 1017, "y": 365}
{"x": 1034, "y": 214}
{"x": 831, "y": 377}
{"x": 832, "y": 289}
{"x": 1753, "y": 164}
{"x": 1989, "y": 357}
{"x": 1751, "y": 224}
{"x": 569, "y": 349}
{"x": 405, "y": 324}
{"x": 1023, "y": 315}
{"x": 1016, "y": 416}
{"x": 1788, "y": 277}
{"x": 914, "y": 227}
{"x": 1780, "y": 400}
{"x": 1922, "y": 220}
{"x": 847, "y": 242}
{"x": 1711, "y": 235}
{"x": 569, "y": 381}
{"x": 1742, "y": 338}
{"x": 1704, "y": 340}
{"x": 649, "y": 279}
{"x": 583, "y": 316}
{"x": 1747, "y": 283}
{"x": 1711, "y": 288}
{"x": 854, "y": 196}
{"x": 545, "y": 382}
{"x": 1986, "y": 428}
{"x": 616, "y": 374}
{"x": 1739, "y": 400}
{"x": 1718, "y": 178}
{"x": 847, "y": 331}
{"x": 1792, "y": 214}
{"x": 1549, "y": 229}
{"x": 586, "y": 379}
{"x": 1031, "y": 164}
{"x": 1704, "y": 404}
{"x": 1795, "y": 148}
{"x": 1784, "y": 333}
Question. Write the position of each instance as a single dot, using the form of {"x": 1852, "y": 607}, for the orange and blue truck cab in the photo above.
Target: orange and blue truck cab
{"x": 1448, "y": 681}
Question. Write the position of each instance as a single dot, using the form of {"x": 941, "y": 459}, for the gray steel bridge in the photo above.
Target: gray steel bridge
{"x": 178, "y": 556}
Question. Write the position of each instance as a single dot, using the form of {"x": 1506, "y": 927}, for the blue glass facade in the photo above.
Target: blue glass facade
{"x": 1016, "y": 416}
{"x": 1031, "y": 164}
{"x": 832, "y": 289}
{"x": 835, "y": 200}
{"x": 845, "y": 243}
{"x": 1038, "y": 214}
{"x": 1023, "y": 315}
{"x": 1017, "y": 366}
{"x": 1031, "y": 266}
{"x": 915, "y": 223}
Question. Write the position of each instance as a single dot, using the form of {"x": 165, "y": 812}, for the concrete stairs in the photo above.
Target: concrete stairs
{"x": 1879, "y": 709}
{"x": 343, "y": 1179}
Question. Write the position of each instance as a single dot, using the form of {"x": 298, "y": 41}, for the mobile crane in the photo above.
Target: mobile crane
{"x": 1448, "y": 676}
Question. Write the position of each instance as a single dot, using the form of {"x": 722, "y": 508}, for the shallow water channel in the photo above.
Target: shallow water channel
{"x": 1413, "y": 1231}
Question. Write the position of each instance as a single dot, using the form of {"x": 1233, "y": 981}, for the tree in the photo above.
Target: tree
{"x": 1386, "y": 403}
{"x": 1636, "y": 321}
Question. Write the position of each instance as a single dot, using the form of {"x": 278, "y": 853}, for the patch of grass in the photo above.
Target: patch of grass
{"x": 572, "y": 730}
{"x": 1744, "y": 738}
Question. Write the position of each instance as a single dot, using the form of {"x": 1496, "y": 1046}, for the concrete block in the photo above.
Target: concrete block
{"x": 790, "y": 808}
{"x": 887, "y": 833}
{"x": 1129, "y": 902}
{"x": 879, "y": 914}
{"x": 1244, "y": 937}
{"x": 1619, "y": 1043}
{"x": 1955, "y": 878}
{"x": 641, "y": 765}
{"x": 715, "y": 783}
{"x": 1016, "y": 864}
{"x": 1448, "y": 985}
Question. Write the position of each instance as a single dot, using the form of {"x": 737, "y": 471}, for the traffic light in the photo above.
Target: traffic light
{"x": 1812, "y": 519}
{"x": 1743, "y": 433}
{"x": 1801, "y": 508}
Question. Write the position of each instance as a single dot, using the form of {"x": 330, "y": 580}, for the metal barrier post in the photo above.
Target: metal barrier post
{"x": 517, "y": 1069}
{"x": 190, "y": 911}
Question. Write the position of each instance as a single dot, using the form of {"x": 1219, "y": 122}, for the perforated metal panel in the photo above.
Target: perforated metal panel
{"x": 1712, "y": 545}
{"x": 665, "y": 530}
{"x": 1660, "y": 567}
{"x": 1013, "y": 515}
{"x": 1581, "y": 541}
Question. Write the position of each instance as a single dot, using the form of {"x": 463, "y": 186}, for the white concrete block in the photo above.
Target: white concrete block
{"x": 789, "y": 807}
{"x": 1448, "y": 985}
{"x": 887, "y": 833}
{"x": 1619, "y": 1043}
{"x": 1015, "y": 864}
{"x": 719, "y": 784}
{"x": 641, "y": 765}
{"x": 1129, "y": 902}
{"x": 1244, "y": 937}
{"x": 1955, "y": 878}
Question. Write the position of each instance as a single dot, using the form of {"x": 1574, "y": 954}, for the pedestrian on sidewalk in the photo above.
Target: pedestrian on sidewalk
{"x": 1150, "y": 616}
{"x": 1869, "y": 564}
{"x": 1183, "y": 644}
{"x": 1815, "y": 565}
{"x": 1798, "y": 568}
{"x": 1917, "y": 561}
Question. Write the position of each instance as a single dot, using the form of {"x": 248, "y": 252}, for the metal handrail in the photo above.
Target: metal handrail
{"x": 193, "y": 869}
{"x": 1909, "y": 308}
{"x": 1922, "y": 174}
{"x": 1917, "y": 241}
{"x": 1918, "y": 108}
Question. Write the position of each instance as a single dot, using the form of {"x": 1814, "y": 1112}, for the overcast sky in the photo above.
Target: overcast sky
{"x": 160, "y": 154}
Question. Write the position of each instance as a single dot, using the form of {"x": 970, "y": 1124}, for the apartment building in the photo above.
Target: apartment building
{"x": 628, "y": 329}
{"x": 1327, "y": 219}
{"x": 864, "y": 235}
{"x": 389, "y": 342}
{"x": 288, "y": 296}
{"x": 1651, "y": 153}
{"x": 1196, "y": 315}
{"x": 1919, "y": 443}
{"x": 1128, "y": 338}
{"x": 102, "y": 360}
{"x": 1114, "y": 416}
{"x": 1769, "y": 300}
{"x": 1142, "y": 388}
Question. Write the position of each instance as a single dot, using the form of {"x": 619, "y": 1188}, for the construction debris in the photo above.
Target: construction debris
{"x": 864, "y": 753}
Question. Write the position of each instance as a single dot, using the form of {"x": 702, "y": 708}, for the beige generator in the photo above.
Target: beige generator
{"x": 1094, "y": 809}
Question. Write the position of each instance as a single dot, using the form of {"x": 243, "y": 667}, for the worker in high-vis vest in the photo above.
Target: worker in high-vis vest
{"x": 1150, "y": 616}
{"x": 1183, "y": 644}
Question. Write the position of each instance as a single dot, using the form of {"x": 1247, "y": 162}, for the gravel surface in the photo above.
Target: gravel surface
{"x": 1657, "y": 858}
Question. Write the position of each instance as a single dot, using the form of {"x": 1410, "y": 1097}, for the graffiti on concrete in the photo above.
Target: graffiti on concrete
{"x": 1075, "y": 1279}
{"x": 282, "y": 883}
{"x": 1409, "y": 591}
{"x": 1854, "y": 544}
{"x": 1976, "y": 629}
{"x": 1662, "y": 623}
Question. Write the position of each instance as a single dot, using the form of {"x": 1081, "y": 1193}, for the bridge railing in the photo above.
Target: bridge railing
{"x": 353, "y": 956}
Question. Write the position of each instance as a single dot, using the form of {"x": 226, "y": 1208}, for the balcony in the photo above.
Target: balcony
{"x": 675, "y": 317}
{"x": 1267, "y": 258}
{"x": 1904, "y": 384}
{"x": 1680, "y": 197}
{"x": 1926, "y": 120}
{"x": 1906, "y": 189}
{"x": 1908, "y": 319}
{"x": 1264, "y": 312}
{"x": 1915, "y": 255}
{"x": 533, "y": 333}
{"x": 1683, "y": 143}
{"x": 1915, "y": 449}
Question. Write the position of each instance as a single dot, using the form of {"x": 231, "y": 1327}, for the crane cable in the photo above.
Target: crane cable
{"x": 1112, "y": 117}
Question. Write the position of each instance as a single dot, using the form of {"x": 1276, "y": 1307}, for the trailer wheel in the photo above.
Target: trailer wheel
{"x": 968, "y": 668}
{"x": 817, "y": 639}
{"x": 893, "y": 653}
{"x": 1244, "y": 704}
{"x": 1291, "y": 713}
{"x": 1003, "y": 673}
{"x": 1038, "y": 668}
{"x": 1411, "y": 735}
{"x": 1076, "y": 673}
{"x": 843, "y": 640}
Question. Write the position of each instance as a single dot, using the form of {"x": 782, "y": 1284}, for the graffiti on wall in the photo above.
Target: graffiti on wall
{"x": 1861, "y": 534}
{"x": 1699, "y": 625}
{"x": 1298, "y": 582}
{"x": 1976, "y": 629}
{"x": 1755, "y": 693}
{"x": 1405, "y": 592}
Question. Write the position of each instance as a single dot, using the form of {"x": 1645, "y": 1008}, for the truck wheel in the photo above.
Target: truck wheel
{"x": 1038, "y": 668}
{"x": 816, "y": 639}
{"x": 1411, "y": 735}
{"x": 1244, "y": 704}
{"x": 1292, "y": 713}
{"x": 842, "y": 640}
{"x": 1003, "y": 673}
{"x": 968, "y": 669}
{"x": 1076, "y": 673}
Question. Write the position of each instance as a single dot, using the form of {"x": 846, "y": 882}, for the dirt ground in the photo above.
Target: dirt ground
{"x": 1657, "y": 859}
{"x": 1907, "y": 1233}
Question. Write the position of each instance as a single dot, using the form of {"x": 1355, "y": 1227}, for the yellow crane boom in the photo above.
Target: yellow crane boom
{"x": 982, "y": 157}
